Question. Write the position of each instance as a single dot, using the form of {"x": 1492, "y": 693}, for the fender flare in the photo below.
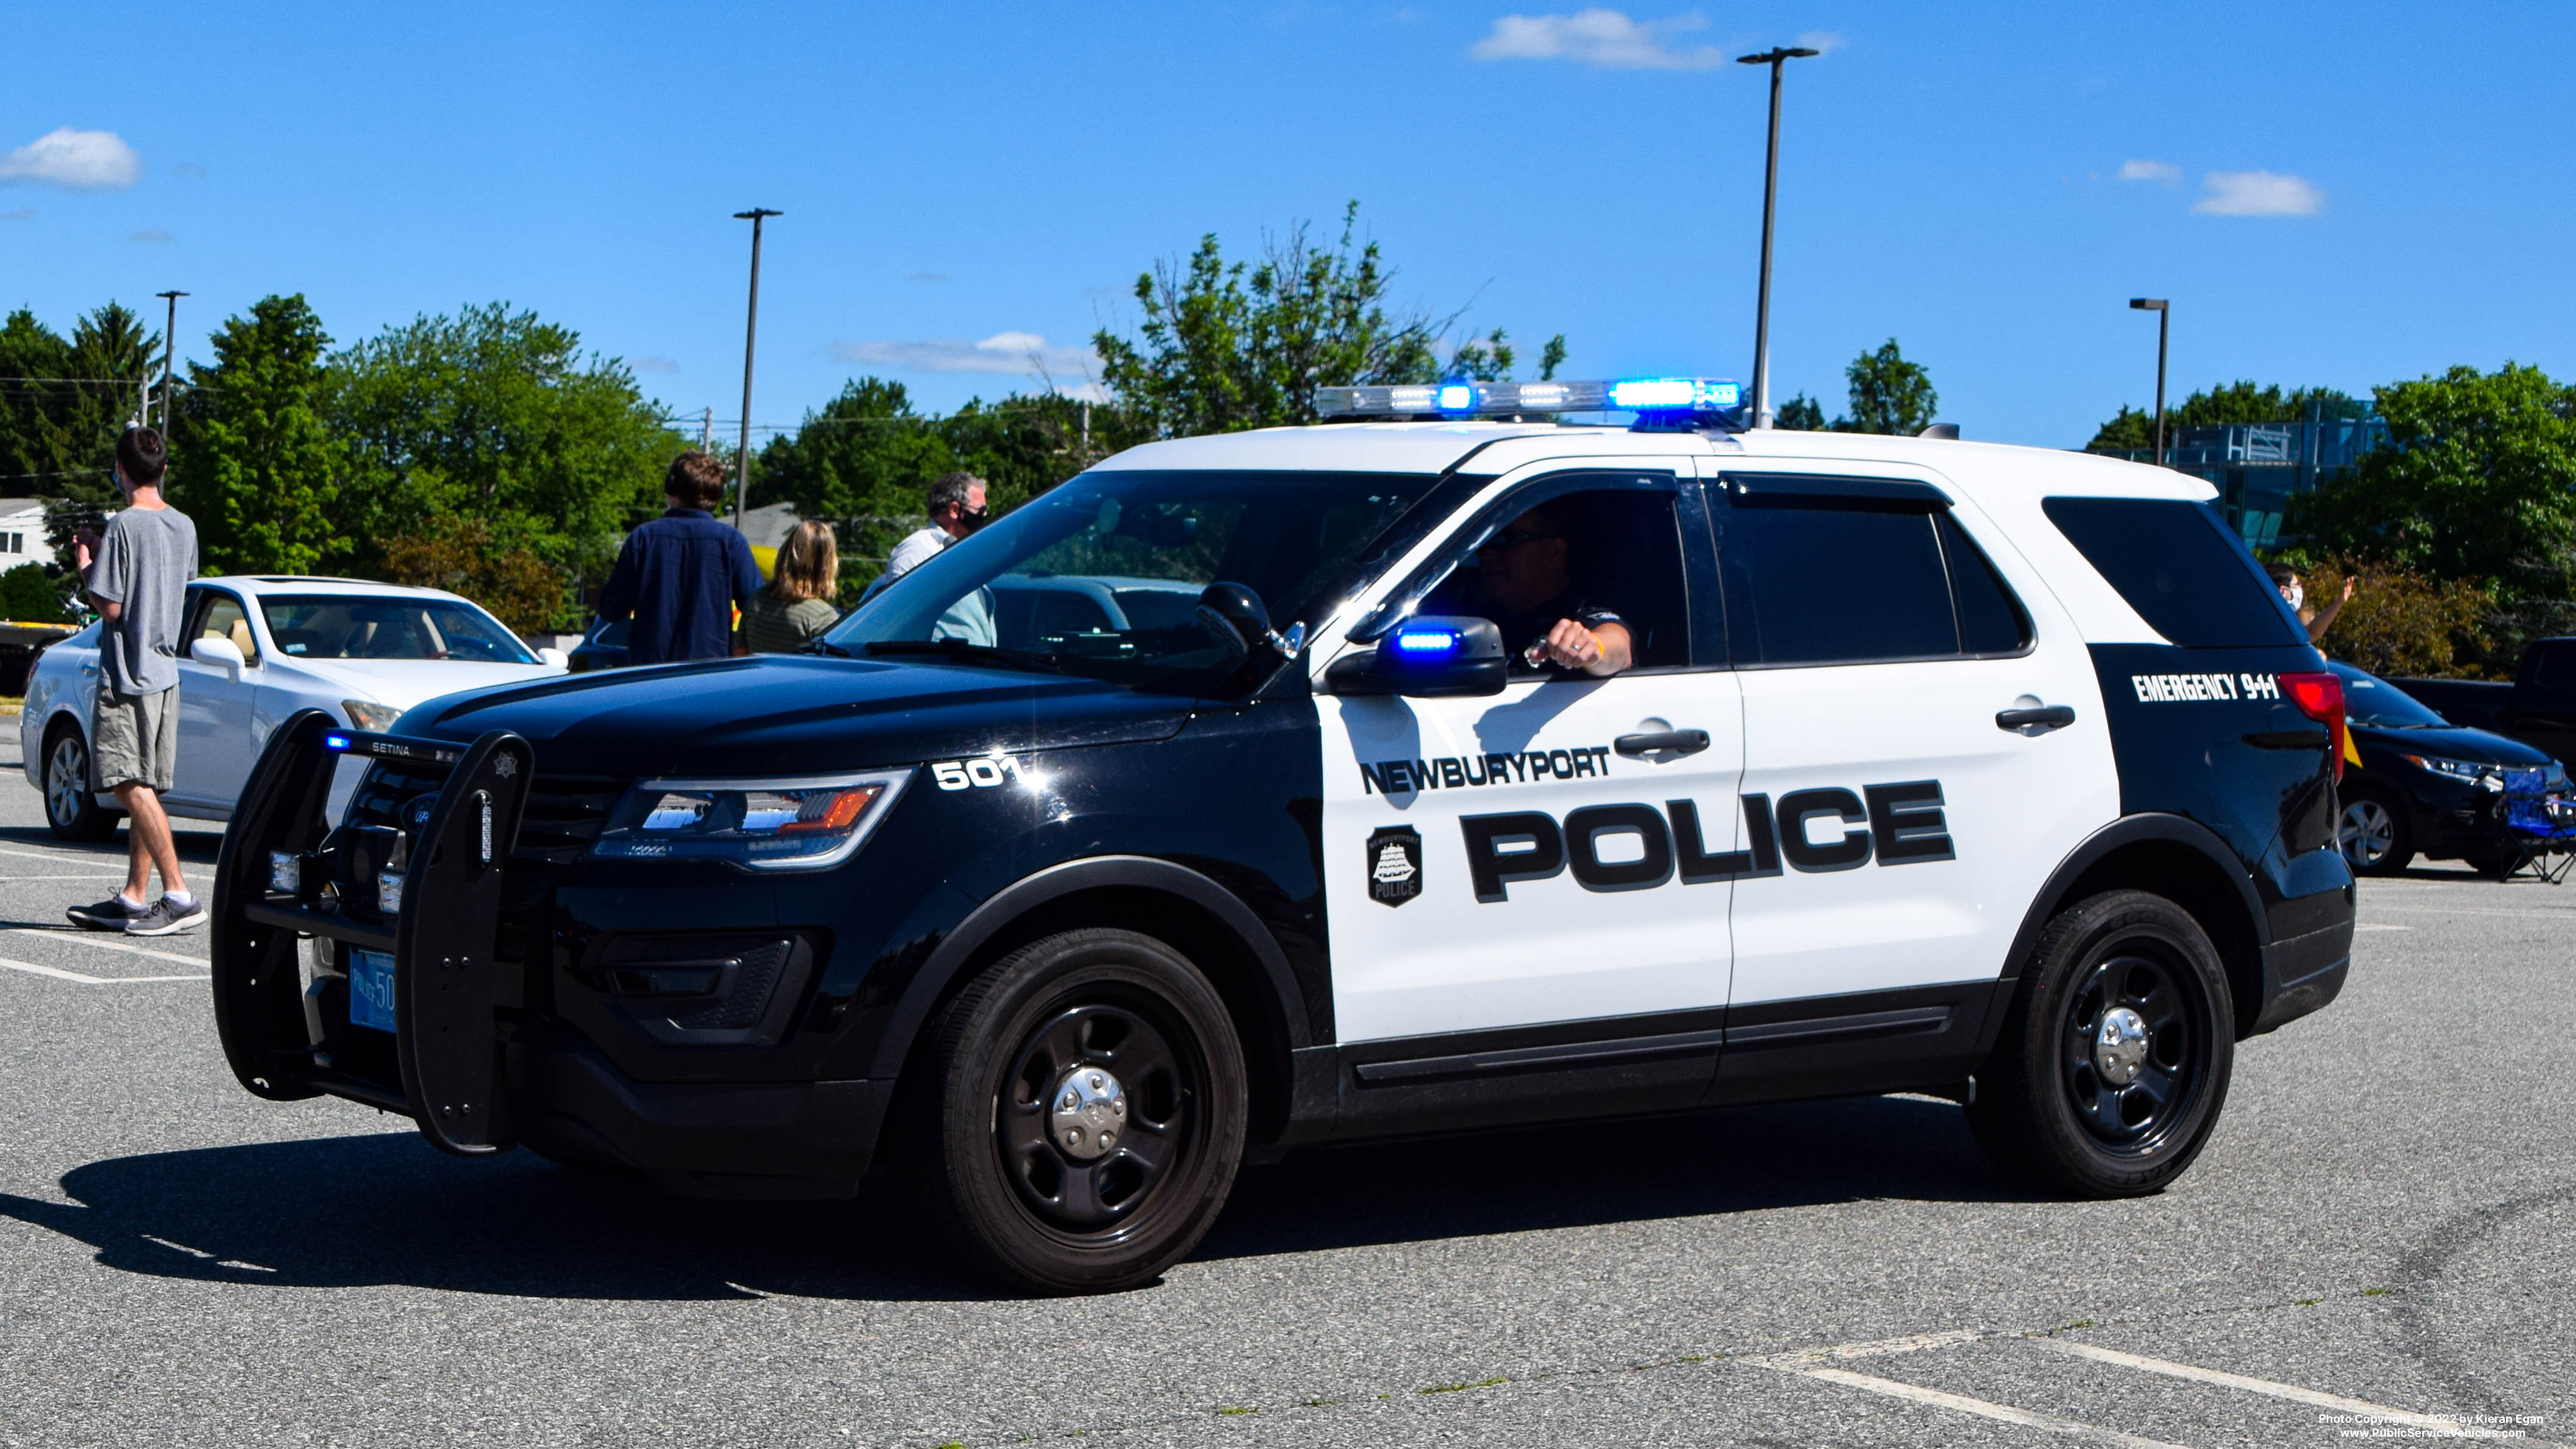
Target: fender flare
{"x": 2126, "y": 831}
{"x": 1017, "y": 899}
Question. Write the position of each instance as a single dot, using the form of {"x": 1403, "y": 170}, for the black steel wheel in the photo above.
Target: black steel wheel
{"x": 1084, "y": 1107}
{"x": 71, "y": 809}
{"x": 2372, "y": 834}
{"x": 2115, "y": 1060}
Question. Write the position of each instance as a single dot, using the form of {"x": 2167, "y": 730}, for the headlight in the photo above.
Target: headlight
{"x": 2469, "y": 772}
{"x": 795, "y": 824}
{"x": 373, "y": 718}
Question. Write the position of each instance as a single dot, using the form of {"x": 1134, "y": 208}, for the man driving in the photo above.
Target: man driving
{"x": 1526, "y": 588}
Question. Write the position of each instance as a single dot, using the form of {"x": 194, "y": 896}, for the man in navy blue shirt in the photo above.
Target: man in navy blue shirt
{"x": 683, "y": 574}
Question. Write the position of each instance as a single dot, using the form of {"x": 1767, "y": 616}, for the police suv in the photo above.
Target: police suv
{"x": 1249, "y": 792}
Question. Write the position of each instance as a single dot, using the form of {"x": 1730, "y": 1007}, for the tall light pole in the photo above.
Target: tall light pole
{"x": 750, "y": 331}
{"x": 169, "y": 350}
{"x": 1774, "y": 58}
{"x": 2164, "y": 323}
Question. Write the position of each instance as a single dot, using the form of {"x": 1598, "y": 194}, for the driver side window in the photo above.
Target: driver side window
{"x": 1612, "y": 553}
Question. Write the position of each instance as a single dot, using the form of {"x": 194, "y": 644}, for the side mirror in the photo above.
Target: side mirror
{"x": 224, "y": 654}
{"x": 1235, "y": 617}
{"x": 555, "y": 657}
{"x": 1431, "y": 656}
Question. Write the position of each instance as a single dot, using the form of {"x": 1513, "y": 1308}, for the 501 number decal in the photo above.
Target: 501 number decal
{"x": 980, "y": 774}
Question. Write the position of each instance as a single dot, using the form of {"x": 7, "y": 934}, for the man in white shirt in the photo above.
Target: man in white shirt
{"x": 956, "y": 510}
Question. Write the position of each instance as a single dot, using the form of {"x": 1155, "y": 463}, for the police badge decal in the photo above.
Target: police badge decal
{"x": 1395, "y": 865}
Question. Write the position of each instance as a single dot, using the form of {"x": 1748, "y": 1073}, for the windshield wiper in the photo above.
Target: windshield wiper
{"x": 825, "y": 646}
{"x": 965, "y": 653}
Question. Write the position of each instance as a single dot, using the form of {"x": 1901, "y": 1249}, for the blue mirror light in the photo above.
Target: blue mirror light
{"x": 335, "y": 742}
{"x": 1426, "y": 643}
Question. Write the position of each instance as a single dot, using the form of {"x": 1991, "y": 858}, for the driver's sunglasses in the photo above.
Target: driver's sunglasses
{"x": 1513, "y": 538}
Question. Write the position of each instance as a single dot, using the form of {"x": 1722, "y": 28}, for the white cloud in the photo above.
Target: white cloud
{"x": 2162, "y": 172}
{"x": 2257, "y": 193}
{"x": 24, "y": 213}
{"x": 74, "y": 160}
{"x": 1823, "y": 41}
{"x": 1019, "y": 353}
{"x": 151, "y": 234}
{"x": 1599, "y": 37}
{"x": 653, "y": 364}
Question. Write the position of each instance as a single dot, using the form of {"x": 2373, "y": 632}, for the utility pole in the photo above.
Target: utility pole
{"x": 706, "y": 429}
{"x": 2164, "y": 322}
{"x": 750, "y": 331}
{"x": 1774, "y": 58}
{"x": 169, "y": 351}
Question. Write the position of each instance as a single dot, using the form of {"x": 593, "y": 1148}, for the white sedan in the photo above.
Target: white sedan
{"x": 258, "y": 650}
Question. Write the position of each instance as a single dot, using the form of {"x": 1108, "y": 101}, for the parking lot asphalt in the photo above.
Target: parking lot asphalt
{"x": 2385, "y": 1224}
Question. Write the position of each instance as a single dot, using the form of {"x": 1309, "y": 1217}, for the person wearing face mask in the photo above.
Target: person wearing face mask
{"x": 956, "y": 511}
{"x": 2286, "y": 579}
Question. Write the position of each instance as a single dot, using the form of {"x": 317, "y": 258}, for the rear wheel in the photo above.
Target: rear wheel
{"x": 2372, "y": 834}
{"x": 1083, "y": 1107}
{"x": 2115, "y": 1058}
{"x": 71, "y": 810}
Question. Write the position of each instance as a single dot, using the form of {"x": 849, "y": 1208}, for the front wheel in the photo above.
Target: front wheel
{"x": 2373, "y": 836}
{"x": 71, "y": 809}
{"x": 1086, "y": 1105}
{"x": 2116, "y": 1056}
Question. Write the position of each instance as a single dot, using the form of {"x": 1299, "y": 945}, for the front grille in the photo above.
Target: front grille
{"x": 562, "y": 816}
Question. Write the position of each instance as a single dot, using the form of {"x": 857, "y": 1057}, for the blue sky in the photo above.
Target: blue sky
{"x": 2339, "y": 195}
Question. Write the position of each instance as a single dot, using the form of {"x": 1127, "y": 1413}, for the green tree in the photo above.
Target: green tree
{"x": 1801, "y": 413}
{"x": 35, "y": 437}
{"x": 2133, "y": 429}
{"x": 495, "y": 415}
{"x": 1888, "y": 394}
{"x": 30, "y": 594}
{"x": 259, "y": 469}
{"x": 100, "y": 373}
{"x": 1226, "y": 345}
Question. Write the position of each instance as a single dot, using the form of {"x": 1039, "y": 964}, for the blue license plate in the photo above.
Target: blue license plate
{"x": 371, "y": 990}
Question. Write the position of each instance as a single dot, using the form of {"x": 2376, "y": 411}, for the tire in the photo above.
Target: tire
{"x": 1079, "y": 1113}
{"x": 71, "y": 811}
{"x": 2373, "y": 835}
{"x": 2053, "y": 1103}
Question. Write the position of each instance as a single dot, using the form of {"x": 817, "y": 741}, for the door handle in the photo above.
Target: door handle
{"x": 2036, "y": 721}
{"x": 1679, "y": 742}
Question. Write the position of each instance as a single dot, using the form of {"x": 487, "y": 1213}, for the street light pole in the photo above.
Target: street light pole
{"x": 750, "y": 331}
{"x": 169, "y": 350}
{"x": 1774, "y": 58}
{"x": 2164, "y": 321}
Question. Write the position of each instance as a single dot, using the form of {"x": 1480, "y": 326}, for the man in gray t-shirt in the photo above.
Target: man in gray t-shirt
{"x": 137, "y": 574}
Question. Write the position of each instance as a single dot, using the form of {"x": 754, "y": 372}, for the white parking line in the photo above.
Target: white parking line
{"x": 60, "y": 974}
{"x": 62, "y": 857}
{"x": 2376, "y": 926}
{"x": 2565, "y": 915}
{"x": 102, "y": 941}
{"x": 92, "y": 875}
{"x": 1961, "y": 1403}
{"x": 2293, "y": 1393}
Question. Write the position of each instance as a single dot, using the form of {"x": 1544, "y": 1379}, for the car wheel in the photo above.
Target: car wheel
{"x": 2373, "y": 836}
{"x": 2115, "y": 1058}
{"x": 1084, "y": 1107}
{"x": 71, "y": 810}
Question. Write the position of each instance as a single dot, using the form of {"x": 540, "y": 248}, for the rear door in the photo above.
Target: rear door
{"x": 1891, "y": 651}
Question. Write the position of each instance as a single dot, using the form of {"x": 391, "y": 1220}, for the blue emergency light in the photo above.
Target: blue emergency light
{"x": 335, "y": 742}
{"x": 1658, "y": 402}
{"x": 1426, "y": 644}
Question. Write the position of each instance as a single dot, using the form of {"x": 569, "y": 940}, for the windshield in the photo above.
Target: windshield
{"x": 1101, "y": 576}
{"x": 311, "y": 626}
{"x": 2370, "y": 700}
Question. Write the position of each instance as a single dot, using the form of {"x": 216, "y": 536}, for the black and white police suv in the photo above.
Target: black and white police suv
{"x": 1367, "y": 778}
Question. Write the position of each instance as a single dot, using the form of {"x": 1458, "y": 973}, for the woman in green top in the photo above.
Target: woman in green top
{"x": 797, "y": 605}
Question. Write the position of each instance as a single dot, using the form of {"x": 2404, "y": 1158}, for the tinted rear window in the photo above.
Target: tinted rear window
{"x": 2181, "y": 568}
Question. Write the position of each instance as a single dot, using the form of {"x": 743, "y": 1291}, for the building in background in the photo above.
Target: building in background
{"x": 2258, "y": 468}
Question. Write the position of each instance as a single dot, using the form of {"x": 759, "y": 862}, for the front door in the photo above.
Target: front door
{"x": 1891, "y": 664}
{"x": 216, "y": 739}
{"x": 1552, "y": 853}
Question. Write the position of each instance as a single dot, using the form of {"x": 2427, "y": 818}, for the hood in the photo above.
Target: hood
{"x": 403, "y": 683}
{"x": 796, "y": 714}
{"x": 2459, "y": 742}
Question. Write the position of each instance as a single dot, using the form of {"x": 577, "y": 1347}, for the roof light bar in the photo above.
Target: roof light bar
{"x": 1656, "y": 395}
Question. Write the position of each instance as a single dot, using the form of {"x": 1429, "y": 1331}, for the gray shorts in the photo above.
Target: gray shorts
{"x": 134, "y": 737}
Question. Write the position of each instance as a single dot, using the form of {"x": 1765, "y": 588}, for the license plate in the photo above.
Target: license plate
{"x": 371, "y": 990}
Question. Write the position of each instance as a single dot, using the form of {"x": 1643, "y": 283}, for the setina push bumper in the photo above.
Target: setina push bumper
{"x": 409, "y": 917}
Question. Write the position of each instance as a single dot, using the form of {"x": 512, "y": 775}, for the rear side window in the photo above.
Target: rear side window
{"x": 1840, "y": 579}
{"x": 2180, "y": 567}
{"x": 1834, "y": 581}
